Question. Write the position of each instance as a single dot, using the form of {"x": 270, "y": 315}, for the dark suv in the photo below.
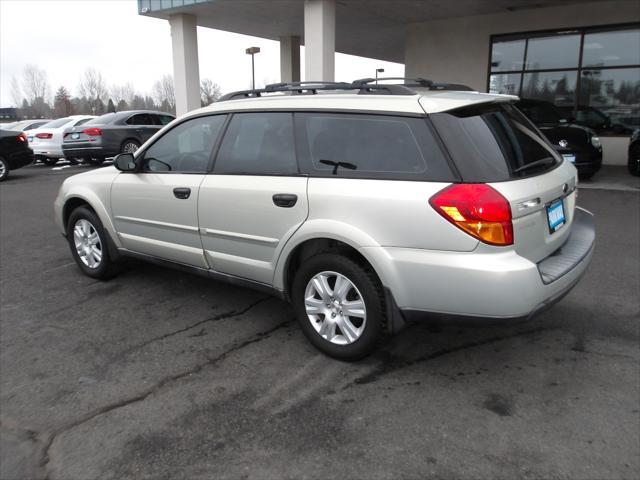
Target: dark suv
{"x": 111, "y": 134}
{"x": 580, "y": 145}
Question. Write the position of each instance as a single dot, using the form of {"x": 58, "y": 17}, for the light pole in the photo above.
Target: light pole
{"x": 252, "y": 51}
{"x": 378, "y": 70}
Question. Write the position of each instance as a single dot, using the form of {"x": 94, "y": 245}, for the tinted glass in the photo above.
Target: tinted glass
{"x": 540, "y": 113}
{"x": 560, "y": 51}
{"x": 608, "y": 49}
{"x": 612, "y": 94}
{"x": 492, "y": 143}
{"x": 185, "y": 148}
{"x": 81, "y": 122}
{"x": 258, "y": 143}
{"x": 141, "y": 119}
{"x": 558, "y": 88}
{"x": 104, "y": 119}
{"x": 507, "y": 56}
{"x": 165, "y": 119}
{"x": 35, "y": 125}
{"x": 371, "y": 146}
{"x": 505, "y": 83}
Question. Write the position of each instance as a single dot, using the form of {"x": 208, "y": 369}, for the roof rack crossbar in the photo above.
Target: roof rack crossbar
{"x": 414, "y": 82}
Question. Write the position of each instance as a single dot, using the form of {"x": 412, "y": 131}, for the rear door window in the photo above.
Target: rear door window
{"x": 370, "y": 146}
{"x": 258, "y": 144}
{"x": 140, "y": 119}
{"x": 494, "y": 143}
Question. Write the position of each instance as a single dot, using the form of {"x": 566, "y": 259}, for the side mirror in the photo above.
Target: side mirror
{"x": 125, "y": 162}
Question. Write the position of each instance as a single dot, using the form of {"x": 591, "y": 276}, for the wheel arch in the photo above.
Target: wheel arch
{"x": 128, "y": 139}
{"x": 89, "y": 199}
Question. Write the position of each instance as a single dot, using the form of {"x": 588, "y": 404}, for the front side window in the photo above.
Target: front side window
{"x": 370, "y": 146}
{"x": 185, "y": 148}
{"x": 258, "y": 143}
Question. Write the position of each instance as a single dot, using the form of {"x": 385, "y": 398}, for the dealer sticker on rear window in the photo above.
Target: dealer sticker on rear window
{"x": 555, "y": 215}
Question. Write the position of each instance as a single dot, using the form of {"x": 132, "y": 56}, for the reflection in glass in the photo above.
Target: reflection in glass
{"x": 506, "y": 83}
{"x": 560, "y": 51}
{"x": 507, "y": 56}
{"x": 612, "y": 94}
{"x": 609, "y": 49}
{"x": 558, "y": 88}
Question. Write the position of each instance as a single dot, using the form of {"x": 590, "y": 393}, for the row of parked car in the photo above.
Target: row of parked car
{"x": 78, "y": 138}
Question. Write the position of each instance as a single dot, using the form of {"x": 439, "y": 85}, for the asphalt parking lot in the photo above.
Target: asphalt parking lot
{"x": 161, "y": 374}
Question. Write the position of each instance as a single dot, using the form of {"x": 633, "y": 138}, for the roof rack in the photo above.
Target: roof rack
{"x": 313, "y": 87}
{"x": 416, "y": 82}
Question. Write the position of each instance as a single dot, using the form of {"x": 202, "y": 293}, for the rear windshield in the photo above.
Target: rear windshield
{"x": 104, "y": 119}
{"x": 57, "y": 123}
{"x": 494, "y": 143}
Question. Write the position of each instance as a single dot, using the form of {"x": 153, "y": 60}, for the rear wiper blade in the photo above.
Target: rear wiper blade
{"x": 537, "y": 163}
{"x": 336, "y": 165}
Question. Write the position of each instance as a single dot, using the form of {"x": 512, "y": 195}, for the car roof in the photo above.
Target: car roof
{"x": 423, "y": 101}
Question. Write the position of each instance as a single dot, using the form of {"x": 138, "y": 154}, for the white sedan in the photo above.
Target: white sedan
{"x": 46, "y": 141}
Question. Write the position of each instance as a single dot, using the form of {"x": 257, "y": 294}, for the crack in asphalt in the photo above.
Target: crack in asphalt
{"x": 258, "y": 337}
{"x": 394, "y": 363}
{"x": 220, "y": 316}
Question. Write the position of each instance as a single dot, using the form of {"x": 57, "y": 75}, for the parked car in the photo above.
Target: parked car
{"x": 578, "y": 144}
{"x": 112, "y": 133}
{"x": 46, "y": 140}
{"x": 364, "y": 207}
{"x": 595, "y": 119}
{"x": 25, "y": 125}
{"x": 14, "y": 152}
{"x": 634, "y": 154}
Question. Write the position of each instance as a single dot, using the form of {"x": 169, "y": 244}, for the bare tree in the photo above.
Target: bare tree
{"x": 35, "y": 84}
{"x": 163, "y": 92}
{"x": 16, "y": 92}
{"x": 92, "y": 85}
{"x": 209, "y": 91}
{"x": 121, "y": 93}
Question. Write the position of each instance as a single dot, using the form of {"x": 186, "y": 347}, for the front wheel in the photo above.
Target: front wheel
{"x": 88, "y": 243}
{"x": 340, "y": 306}
{"x": 129, "y": 146}
{"x": 4, "y": 169}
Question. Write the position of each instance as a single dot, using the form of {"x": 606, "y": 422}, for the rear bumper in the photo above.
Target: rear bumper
{"x": 497, "y": 285}
{"x": 86, "y": 151}
{"x": 20, "y": 158}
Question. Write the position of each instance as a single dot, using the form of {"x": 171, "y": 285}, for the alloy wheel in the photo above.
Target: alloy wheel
{"x": 335, "y": 308}
{"x": 129, "y": 147}
{"x": 87, "y": 243}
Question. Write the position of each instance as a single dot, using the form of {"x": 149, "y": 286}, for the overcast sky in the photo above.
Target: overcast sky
{"x": 65, "y": 37}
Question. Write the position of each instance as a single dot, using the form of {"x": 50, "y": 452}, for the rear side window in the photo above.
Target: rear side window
{"x": 370, "y": 146}
{"x": 140, "y": 119}
{"x": 82, "y": 122}
{"x": 164, "y": 119}
{"x": 57, "y": 123}
{"x": 258, "y": 143}
{"x": 494, "y": 143}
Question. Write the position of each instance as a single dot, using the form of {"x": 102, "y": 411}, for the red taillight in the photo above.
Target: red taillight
{"x": 92, "y": 132}
{"x": 477, "y": 209}
{"x": 44, "y": 136}
{"x": 22, "y": 138}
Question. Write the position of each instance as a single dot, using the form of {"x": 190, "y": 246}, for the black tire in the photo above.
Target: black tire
{"x": 94, "y": 160}
{"x": 4, "y": 169}
{"x": 369, "y": 287}
{"x": 129, "y": 146}
{"x": 49, "y": 161}
{"x": 586, "y": 175}
{"x": 75, "y": 160}
{"x": 106, "y": 268}
{"x": 634, "y": 161}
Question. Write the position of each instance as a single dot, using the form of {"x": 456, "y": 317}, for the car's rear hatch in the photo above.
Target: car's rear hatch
{"x": 494, "y": 144}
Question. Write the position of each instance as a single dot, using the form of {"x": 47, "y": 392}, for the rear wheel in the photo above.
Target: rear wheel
{"x": 88, "y": 243}
{"x": 4, "y": 169}
{"x": 49, "y": 161}
{"x": 75, "y": 160}
{"x": 634, "y": 160}
{"x": 129, "y": 146}
{"x": 340, "y": 306}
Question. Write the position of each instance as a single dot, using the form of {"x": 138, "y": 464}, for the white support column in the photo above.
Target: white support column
{"x": 290, "y": 59}
{"x": 319, "y": 39}
{"x": 186, "y": 72}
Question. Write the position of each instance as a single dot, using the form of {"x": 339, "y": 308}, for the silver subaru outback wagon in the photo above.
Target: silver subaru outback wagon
{"x": 365, "y": 205}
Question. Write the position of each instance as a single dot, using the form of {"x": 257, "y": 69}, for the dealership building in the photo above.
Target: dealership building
{"x": 584, "y": 56}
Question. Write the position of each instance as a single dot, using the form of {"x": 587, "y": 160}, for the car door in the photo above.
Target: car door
{"x": 255, "y": 199}
{"x": 144, "y": 126}
{"x": 155, "y": 209}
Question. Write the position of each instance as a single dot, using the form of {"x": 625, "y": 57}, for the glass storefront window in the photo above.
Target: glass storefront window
{"x": 610, "y": 100}
{"x": 611, "y": 49}
{"x": 507, "y": 56}
{"x": 597, "y": 86}
{"x": 560, "y": 51}
{"x": 506, "y": 83}
{"x": 555, "y": 87}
